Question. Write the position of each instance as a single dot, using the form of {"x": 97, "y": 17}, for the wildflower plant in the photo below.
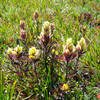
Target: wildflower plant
{"x": 22, "y": 30}
{"x": 23, "y": 62}
{"x": 69, "y": 50}
{"x": 19, "y": 65}
{"x": 45, "y": 36}
{"x": 41, "y": 70}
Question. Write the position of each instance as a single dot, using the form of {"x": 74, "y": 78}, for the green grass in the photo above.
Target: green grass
{"x": 8, "y": 94}
{"x": 64, "y": 14}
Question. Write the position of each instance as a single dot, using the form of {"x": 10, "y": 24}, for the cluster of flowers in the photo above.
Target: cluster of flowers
{"x": 55, "y": 52}
{"x": 44, "y": 39}
{"x": 65, "y": 87}
{"x": 84, "y": 16}
{"x": 22, "y": 30}
{"x": 70, "y": 49}
{"x": 14, "y": 51}
{"x": 70, "y": 52}
{"x": 46, "y": 34}
{"x": 33, "y": 52}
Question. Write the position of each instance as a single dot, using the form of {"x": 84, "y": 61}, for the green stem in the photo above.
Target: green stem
{"x": 67, "y": 69}
{"x": 37, "y": 28}
{"x": 45, "y": 61}
{"x": 47, "y": 74}
{"x": 76, "y": 63}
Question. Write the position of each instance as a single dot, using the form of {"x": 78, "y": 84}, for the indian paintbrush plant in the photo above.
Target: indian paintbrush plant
{"x": 41, "y": 72}
{"x": 71, "y": 54}
{"x": 22, "y": 30}
{"x": 20, "y": 64}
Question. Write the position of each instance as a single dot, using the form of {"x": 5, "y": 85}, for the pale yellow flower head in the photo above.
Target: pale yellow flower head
{"x": 41, "y": 35}
{"x": 9, "y": 51}
{"x": 69, "y": 44}
{"x": 74, "y": 49}
{"x": 31, "y": 57}
{"x": 21, "y": 22}
{"x": 78, "y": 47}
{"x": 46, "y": 24}
{"x": 14, "y": 53}
{"x": 67, "y": 51}
{"x": 46, "y": 27}
{"x": 54, "y": 51}
{"x": 69, "y": 41}
{"x": 32, "y": 50}
{"x": 18, "y": 49}
{"x": 33, "y": 53}
{"x": 82, "y": 43}
{"x": 65, "y": 86}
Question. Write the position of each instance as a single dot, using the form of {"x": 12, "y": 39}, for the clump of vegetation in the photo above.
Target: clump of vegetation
{"x": 52, "y": 54}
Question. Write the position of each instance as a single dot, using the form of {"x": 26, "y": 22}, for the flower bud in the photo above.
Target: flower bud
{"x": 45, "y": 36}
{"x": 31, "y": 57}
{"x": 36, "y": 15}
{"x": 52, "y": 27}
{"x": 44, "y": 39}
{"x": 84, "y": 28}
{"x": 80, "y": 17}
{"x": 74, "y": 49}
{"x": 46, "y": 28}
{"x": 32, "y": 50}
{"x": 23, "y": 34}
{"x": 33, "y": 53}
{"x": 69, "y": 50}
{"x": 54, "y": 52}
{"x": 22, "y": 25}
{"x": 11, "y": 39}
{"x": 82, "y": 43}
{"x": 85, "y": 15}
{"x": 65, "y": 88}
{"x": 70, "y": 44}
{"x": 9, "y": 51}
{"x": 98, "y": 96}
{"x": 89, "y": 16}
{"x": 66, "y": 53}
{"x": 78, "y": 48}
{"x": 18, "y": 49}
